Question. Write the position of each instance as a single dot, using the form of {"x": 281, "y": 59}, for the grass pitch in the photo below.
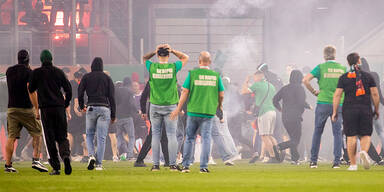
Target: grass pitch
{"x": 123, "y": 176}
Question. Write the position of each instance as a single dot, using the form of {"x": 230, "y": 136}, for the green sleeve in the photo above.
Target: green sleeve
{"x": 179, "y": 65}
{"x": 187, "y": 82}
{"x": 221, "y": 85}
{"x": 148, "y": 64}
{"x": 254, "y": 87}
{"x": 316, "y": 72}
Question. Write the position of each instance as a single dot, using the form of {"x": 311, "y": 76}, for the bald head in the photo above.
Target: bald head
{"x": 205, "y": 58}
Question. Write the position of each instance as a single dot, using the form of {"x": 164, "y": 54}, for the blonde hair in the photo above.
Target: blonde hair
{"x": 329, "y": 52}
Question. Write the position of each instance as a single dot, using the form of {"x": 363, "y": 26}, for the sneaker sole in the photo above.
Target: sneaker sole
{"x": 68, "y": 167}
{"x": 40, "y": 169}
{"x": 313, "y": 167}
{"x": 185, "y": 171}
{"x": 363, "y": 157}
{"x": 155, "y": 170}
{"x": 91, "y": 164}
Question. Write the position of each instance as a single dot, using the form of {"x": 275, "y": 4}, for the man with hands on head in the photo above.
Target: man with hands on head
{"x": 163, "y": 99}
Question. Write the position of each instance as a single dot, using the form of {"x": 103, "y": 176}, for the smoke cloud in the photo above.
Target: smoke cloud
{"x": 235, "y": 8}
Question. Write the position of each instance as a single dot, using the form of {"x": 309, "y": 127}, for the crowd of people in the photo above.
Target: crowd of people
{"x": 74, "y": 116}
{"x": 36, "y": 17}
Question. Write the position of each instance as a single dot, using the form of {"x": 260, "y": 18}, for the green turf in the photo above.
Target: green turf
{"x": 242, "y": 177}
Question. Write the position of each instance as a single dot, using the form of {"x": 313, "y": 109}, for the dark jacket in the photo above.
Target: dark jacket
{"x": 99, "y": 88}
{"x": 144, "y": 98}
{"x": 293, "y": 96}
{"x": 125, "y": 102}
{"x": 18, "y": 76}
{"x": 365, "y": 67}
{"x": 48, "y": 80}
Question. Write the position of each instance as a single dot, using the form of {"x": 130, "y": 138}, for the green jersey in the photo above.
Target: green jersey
{"x": 204, "y": 86}
{"x": 163, "y": 82}
{"x": 328, "y": 74}
{"x": 260, "y": 89}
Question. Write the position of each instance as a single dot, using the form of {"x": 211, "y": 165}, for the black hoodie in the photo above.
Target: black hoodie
{"x": 293, "y": 96}
{"x": 48, "y": 80}
{"x": 365, "y": 67}
{"x": 99, "y": 88}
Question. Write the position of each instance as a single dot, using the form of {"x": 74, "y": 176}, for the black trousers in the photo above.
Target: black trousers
{"x": 293, "y": 127}
{"x": 55, "y": 131}
{"x": 147, "y": 146}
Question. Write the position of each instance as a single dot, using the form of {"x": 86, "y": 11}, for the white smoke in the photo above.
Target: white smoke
{"x": 233, "y": 8}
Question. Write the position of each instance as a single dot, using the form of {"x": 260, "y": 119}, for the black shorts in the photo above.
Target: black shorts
{"x": 357, "y": 120}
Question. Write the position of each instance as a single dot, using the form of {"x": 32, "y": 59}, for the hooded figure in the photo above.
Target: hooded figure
{"x": 101, "y": 110}
{"x": 365, "y": 67}
{"x": 293, "y": 96}
{"x": 97, "y": 64}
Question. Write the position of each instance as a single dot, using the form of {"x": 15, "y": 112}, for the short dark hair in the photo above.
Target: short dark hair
{"x": 23, "y": 57}
{"x": 163, "y": 52}
{"x": 353, "y": 58}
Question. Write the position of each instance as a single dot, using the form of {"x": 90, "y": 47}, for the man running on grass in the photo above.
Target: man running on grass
{"x": 163, "y": 99}
{"x": 20, "y": 112}
{"x": 205, "y": 90}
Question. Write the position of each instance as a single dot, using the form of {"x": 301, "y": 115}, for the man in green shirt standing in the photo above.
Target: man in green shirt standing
{"x": 266, "y": 116}
{"x": 205, "y": 90}
{"x": 327, "y": 74}
{"x": 164, "y": 99}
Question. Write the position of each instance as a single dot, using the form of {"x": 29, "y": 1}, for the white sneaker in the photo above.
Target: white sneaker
{"x": 364, "y": 159}
{"x": 99, "y": 168}
{"x": 229, "y": 162}
{"x": 116, "y": 159}
{"x": 236, "y": 157}
{"x": 39, "y": 166}
{"x": 352, "y": 168}
{"x": 211, "y": 161}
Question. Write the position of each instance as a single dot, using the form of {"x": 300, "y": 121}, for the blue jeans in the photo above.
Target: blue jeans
{"x": 193, "y": 124}
{"x": 180, "y": 134}
{"x": 322, "y": 113}
{"x": 223, "y": 139}
{"x": 97, "y": 122}
{"x": 125, "y": 126}
{"x": 379, "y": 131}
{"x": 159, "y": 114}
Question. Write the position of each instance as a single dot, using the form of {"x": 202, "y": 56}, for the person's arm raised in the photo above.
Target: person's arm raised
{"x": 182, "y": 56}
